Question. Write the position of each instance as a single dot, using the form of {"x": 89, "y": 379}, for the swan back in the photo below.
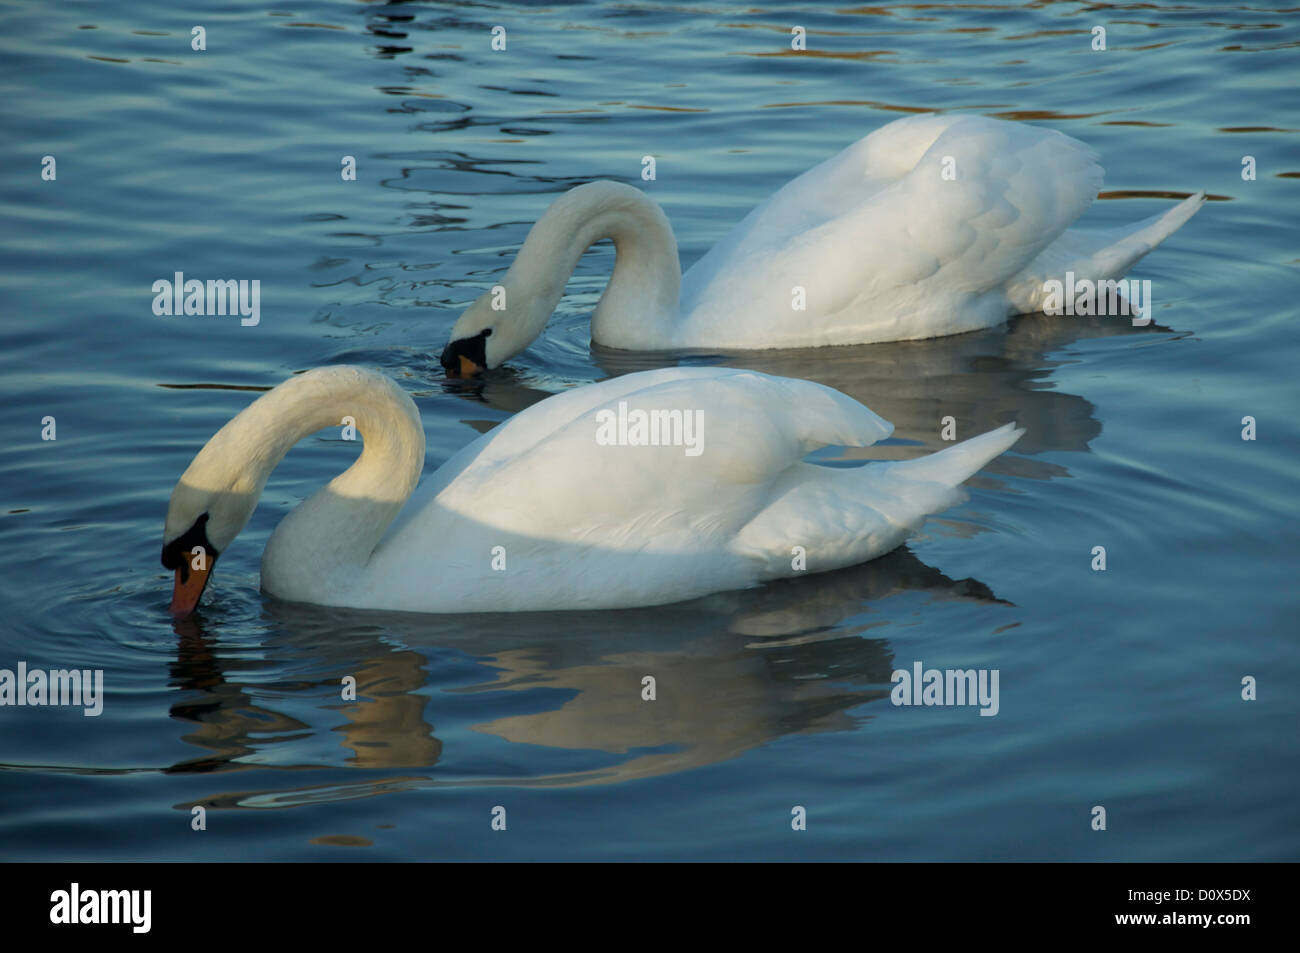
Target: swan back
{"x": 912, "y": 232}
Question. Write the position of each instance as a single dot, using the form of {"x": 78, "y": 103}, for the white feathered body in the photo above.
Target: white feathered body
{"x": 537, "y": 514}
{"x": 931, "y": 225}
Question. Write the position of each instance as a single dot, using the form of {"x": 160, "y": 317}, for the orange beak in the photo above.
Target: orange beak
{"x": 190, "y": 582}
{"x": 467, "y": 367}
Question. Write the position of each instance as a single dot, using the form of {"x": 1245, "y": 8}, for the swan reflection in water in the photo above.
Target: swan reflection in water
{"x": 733, "y": 671}
{"x": 983, "y": 380}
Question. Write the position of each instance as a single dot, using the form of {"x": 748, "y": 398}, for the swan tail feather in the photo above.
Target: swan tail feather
{"x": 956, "y": 464}
{"x": 824, "y": 518}
{"x": 1096, "y": 254}
{"x": 1136, "y": 241}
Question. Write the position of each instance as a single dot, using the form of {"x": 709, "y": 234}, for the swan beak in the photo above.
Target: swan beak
{"x": 467, "y": 367}
{"x": 465, "y": 357}
{"x": 190, "y": 583}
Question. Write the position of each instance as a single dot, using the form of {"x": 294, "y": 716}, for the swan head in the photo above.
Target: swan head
{"x": 489, "y": 332}
{"x": 641, "y": 297}
{"x": 209, "y": 507}
{"x": 466, "y": 353}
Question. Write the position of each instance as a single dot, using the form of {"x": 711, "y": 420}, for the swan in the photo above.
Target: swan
{"x": 929, "y": 226}
{"x": 539, "y": 513}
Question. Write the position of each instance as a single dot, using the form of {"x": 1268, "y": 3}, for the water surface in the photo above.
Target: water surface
{"x": 1118, "y": 688}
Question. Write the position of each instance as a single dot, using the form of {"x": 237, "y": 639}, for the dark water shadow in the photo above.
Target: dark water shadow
{"x": 982, "y": 380}
{"x": 732, "y": 672}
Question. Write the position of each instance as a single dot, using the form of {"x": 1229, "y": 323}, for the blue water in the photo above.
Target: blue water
{"x": 1119, "y": 688}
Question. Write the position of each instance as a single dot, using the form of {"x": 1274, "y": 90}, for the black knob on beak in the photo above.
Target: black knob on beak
{"x": 465, "y": 356}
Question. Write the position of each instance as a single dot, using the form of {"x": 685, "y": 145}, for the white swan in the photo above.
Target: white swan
{"x": 580, "y": 525}
{"x": 930, "y": 225}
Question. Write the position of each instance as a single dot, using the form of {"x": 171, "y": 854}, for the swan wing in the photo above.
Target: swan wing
{"x": 911, "y": 232}
{"x": 714, "y": 439}
{"x": 584, "y": 521}
{"x": 589, "y": 524}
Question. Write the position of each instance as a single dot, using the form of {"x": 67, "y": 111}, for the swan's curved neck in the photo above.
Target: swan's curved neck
{"x": 327, "y": 539}
{"x": 640, "y": 302}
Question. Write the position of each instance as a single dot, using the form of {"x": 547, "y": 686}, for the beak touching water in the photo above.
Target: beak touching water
{"x": 190, "y": 582}
{"x": 466, "y": 357}
{"x": 465, "y": 368}
{"x": 192, "y": 556}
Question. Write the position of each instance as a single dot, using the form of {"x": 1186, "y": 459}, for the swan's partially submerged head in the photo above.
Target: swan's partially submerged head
{"x": 192, "y": 556}
{"x": 208, "y": 508}
{"x": 467, "y": 352}
{"x": 498, "y": 325}
{"x": 642, "y": 294}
